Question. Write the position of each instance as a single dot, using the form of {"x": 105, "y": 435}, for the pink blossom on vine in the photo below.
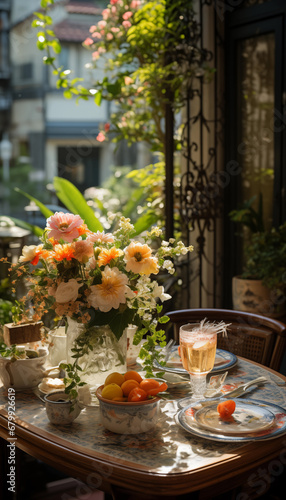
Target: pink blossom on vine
{"x": 135, "y": 4}
{"x": 88, "y": 41}
{"x": 109, "y": 36}
{"x": 127, "y": 15}
{"x": 128, "y": 80}
{"x": 100, "y": 137}
{"x": 102, "y": 24}
{"x": 107, "y": 127}
{"x": 105, "y": 14}
{"x": 96, "y": 35}
{"x": 126, "y": 24}
{"x": 95, "y": 55}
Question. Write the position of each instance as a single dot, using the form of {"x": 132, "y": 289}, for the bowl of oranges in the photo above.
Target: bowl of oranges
{"x": 128, "y": 403}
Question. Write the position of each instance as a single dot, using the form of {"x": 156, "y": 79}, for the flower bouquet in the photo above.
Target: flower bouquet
{"x": 98, "y": 280}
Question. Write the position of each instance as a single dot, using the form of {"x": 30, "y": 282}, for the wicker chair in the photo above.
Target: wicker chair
{"x": 251, "y": 336}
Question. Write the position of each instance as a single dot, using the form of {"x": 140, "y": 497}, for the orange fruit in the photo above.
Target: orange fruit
{"x": 162, "y": 387}
{"x": 149, "y": 383}
{"x": 120, "y": 399}
{"x": 133, "y": 375}
{"x": 114, "y": 378}
{"x": 111, "y": 391}
{"x": 226, "y": 408}
{"x": 137, "y": 394}
{"x": 128, "y": 385}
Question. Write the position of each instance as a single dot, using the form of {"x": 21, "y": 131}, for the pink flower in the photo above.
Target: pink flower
{"x": 92, "y": 28}
{"x": 111, "y": 292}
{"x": 105, "y": 14}
{"x": 96, "y": 34}
{"x": 101, "y": 24}
{"x": 127, "y": 15}
{"x": 113, "y": 2}
{"x": 128, "y": 80}
{"x": 67, "y": 291}
{"x": 114, "y": 29}
{"x": 83, "y": 250}
{"x": 95, "y": 55}
{"x": 102, "y": 237}
{"x": 126, "y": 24}
{"x": 109, "y": 36}
{"x": 64, "y": 226}
{"x": 100, "y": 137}
{"x": 107, "y": 127}
{"x": 134, "y": 4}
{"x": 88, "y": 41}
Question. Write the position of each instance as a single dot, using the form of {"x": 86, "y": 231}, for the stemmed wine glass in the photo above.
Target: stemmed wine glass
{"x": 198, "y": 349}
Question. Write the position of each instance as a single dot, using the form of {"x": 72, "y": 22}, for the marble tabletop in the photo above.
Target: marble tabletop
{"x": 167, "y": 449}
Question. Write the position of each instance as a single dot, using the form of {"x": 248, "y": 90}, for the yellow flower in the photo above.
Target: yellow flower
{"x": 138, "y": 259}
{"x": 111, "y": 292}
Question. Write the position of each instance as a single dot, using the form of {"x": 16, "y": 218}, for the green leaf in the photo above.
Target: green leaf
{"x": 145, "y": 222}
{"x": 98, "y": 98}
{"x": 121, "y": 321}
{"x": 45, "y": 211}
{"x": 67, "y": 94}
{"x": 74, "y": 201}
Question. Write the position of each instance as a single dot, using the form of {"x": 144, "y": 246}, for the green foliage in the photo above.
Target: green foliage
{"x": 248, "y": 216}
{"x": 48, "y": 42}
{"x": 151, "y": 51}
{"x": 12, "y": 352}
{"x": 266, "y": 258}
{"x": 5, "y": 311}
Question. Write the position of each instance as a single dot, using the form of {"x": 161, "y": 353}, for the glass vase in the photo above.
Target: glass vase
{"x": 106, "y": 356}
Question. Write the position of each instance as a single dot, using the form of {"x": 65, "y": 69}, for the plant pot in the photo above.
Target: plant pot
{"x": 23, "y": 373}
{"x": 22, "y": 333}
{"x": 252, "y": 296}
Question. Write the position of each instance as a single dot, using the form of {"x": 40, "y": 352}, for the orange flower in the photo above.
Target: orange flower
{"x": 62, "y": 252}
{"x": 107, "y": 255}
{"x": 83, "y": 229}
{"x": 138, "y": 259}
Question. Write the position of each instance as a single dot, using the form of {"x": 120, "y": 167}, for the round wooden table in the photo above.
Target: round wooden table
{"x": 167, "y": 462}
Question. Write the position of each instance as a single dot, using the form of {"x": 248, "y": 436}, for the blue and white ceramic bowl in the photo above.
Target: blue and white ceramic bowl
{"x": 58, "y": 406}
{"x": 128, "y": 418}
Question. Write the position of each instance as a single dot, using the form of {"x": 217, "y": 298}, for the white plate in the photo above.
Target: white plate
{"x": 186, "y": 419}
{"x": 245, "y": 419}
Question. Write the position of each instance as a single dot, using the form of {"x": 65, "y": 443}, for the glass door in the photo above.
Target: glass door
{"x": 254, "y": 129}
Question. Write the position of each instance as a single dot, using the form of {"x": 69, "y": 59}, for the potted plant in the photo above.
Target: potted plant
{"x": 261, "y": 288}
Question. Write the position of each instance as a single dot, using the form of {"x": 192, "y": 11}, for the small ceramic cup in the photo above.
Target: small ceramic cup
{"x": 58, "y": 406}
{"x": 128, "y": 418}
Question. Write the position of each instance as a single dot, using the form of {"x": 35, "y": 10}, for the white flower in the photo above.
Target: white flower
{"x": 67, "y": 291}
{"x": 28, "y": 253}
{"x": 159, "y": 292}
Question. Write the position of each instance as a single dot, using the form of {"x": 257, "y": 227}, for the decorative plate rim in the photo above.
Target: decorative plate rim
{"x": 180, "y": 371}
{"x": 205, "y": 434}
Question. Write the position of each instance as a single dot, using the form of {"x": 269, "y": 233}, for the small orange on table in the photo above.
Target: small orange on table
{"x": 226, "y": 408}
